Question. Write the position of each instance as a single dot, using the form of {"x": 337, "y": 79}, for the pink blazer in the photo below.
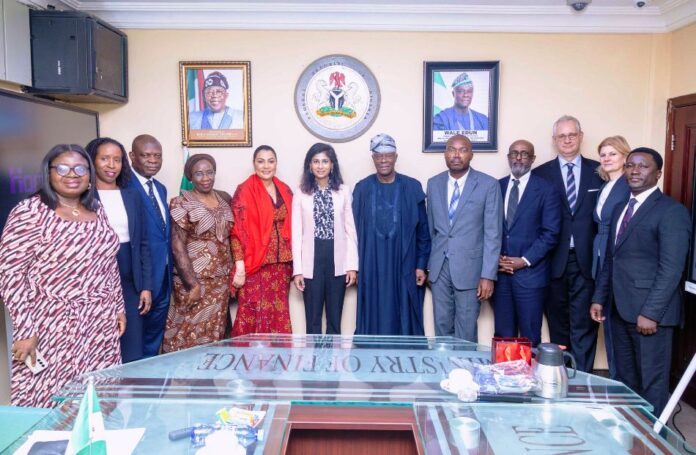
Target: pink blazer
{"x": 345, "y": 237}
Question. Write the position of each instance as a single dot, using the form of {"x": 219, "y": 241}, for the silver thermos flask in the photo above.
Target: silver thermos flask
{"x": 550, "y": 370}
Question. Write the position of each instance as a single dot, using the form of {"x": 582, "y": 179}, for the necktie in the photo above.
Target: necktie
{"x": 626, "y": 218}
{"x": 453, "y": 203}
{"x": 571, "y": 194}
{"x": 513, "y": 201}
{"x": 155, "y": 205}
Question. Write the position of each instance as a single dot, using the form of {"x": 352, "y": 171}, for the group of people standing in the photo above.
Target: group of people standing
{"x": 88, "y": 264}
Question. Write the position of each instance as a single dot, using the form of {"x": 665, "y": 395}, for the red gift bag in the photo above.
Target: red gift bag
{"x": 505, "y": 349}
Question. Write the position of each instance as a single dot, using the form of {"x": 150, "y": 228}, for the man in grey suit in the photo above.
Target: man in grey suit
{"x": 465, "y": 215}
{"x": 641, "y": 278}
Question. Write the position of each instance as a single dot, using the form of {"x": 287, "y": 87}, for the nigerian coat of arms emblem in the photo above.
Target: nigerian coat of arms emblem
{"x": 337, "y": 98}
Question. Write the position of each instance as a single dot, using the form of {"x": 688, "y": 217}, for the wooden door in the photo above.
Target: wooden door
{"x": 680, "y": 160}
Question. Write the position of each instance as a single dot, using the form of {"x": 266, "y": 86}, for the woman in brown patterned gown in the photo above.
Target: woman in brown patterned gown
{"x": 59, "y": 280}
{"x": 201, "y": 245}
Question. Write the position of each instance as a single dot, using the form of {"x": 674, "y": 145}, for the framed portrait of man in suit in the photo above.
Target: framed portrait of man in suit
{"x": 460, "y": 98}
{"x": 215, "y": 104}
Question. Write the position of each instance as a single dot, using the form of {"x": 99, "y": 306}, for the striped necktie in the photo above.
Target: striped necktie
{"x": 626, "y": 218}
{"x": 571, "y": 192}
{"x": 156, "y": 206}
{"x": 453, "y": 203}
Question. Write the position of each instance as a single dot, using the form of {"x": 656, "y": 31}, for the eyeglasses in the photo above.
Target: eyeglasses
{"x": 514, "y": 154}
{"x": 217, "y": 93}
{"x": 571, "y": 136}
{"x": 388, "y": 156}
{"x": 63, "y": 170}
{"x": 201, "y": 174}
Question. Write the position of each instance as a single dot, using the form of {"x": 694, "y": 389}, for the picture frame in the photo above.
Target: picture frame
{"x": 215, "y": 103}
{"x": 460, "y": 98}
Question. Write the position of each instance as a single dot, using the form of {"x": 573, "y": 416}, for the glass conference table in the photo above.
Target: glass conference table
{"x": 361, "y": 394}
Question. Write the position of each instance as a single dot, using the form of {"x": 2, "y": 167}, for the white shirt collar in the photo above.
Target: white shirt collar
{"x": 523, "y": 180}
{"x": 644, "y": 195}
{"x": 577, "y": 161}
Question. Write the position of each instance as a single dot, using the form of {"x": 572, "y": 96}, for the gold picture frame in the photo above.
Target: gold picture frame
{"x": 215, "y": 103}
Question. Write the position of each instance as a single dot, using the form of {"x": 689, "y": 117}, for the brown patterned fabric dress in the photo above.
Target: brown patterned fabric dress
{"x": 207, "y": 261}
{"x": 59, "y": 280}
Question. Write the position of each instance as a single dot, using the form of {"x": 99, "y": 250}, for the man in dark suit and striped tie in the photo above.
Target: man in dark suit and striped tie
{"x": 146, "y": 159}
{"x": 641, "y": 278}
{"x": 568, "y": 303}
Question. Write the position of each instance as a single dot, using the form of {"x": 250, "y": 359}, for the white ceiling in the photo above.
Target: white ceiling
{"x": 544, "y": 16}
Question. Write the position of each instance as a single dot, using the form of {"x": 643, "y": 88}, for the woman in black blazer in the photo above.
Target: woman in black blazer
{"x": 612, "y": 156}
{"x": 125, "y": 212}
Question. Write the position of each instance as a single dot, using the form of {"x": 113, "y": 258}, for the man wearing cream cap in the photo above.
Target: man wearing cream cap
{"x": 460, "y": 117}
{"x": 393, "y": 245}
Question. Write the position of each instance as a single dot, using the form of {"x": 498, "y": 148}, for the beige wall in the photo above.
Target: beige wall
{"x": 615, "y": 84}
{"x": 683, "y": 61}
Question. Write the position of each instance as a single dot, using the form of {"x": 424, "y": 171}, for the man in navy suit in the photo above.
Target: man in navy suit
{"x": 531, "y": 227}
{"x": 576, "y": 180}
{"x": 641, "y": 276}
{"x": 146, "y": 160}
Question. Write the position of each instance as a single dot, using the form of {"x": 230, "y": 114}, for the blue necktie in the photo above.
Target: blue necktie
{"x": 156, "y": 206}
{"x": 453, "y": 203}
{"x": 571, "y": 193}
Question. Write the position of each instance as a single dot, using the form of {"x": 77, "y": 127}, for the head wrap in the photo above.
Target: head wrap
{"x": 216, "y": 79}
{"x": 382, "y": 143}
{"x": 193, "y": 159}
{"x": 462, "y": 79}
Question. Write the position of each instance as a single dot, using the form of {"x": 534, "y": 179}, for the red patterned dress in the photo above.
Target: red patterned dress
{"x": 263, "y": 300}
{"x": 59, "y": 280}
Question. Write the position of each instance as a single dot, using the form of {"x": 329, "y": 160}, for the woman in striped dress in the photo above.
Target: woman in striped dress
{"x": 59, "y": 280}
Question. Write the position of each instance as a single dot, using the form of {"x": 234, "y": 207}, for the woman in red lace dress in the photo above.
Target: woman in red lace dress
{"x": 261, "y": 249}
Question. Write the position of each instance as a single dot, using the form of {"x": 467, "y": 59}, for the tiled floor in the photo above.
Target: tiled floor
{"x": 686, "y": 421}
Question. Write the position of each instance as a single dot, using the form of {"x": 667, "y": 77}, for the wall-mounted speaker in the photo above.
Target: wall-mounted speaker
{"x": 77, "y": 57}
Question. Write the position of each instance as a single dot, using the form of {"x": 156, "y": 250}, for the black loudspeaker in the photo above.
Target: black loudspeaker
{"x": 79, "y": 58}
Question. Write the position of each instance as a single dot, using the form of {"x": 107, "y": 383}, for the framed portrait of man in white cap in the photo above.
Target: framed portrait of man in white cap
{"x": 215, "y": 104}
{"x": 460, "y": 98}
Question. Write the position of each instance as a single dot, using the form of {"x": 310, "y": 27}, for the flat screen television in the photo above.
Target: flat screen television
{"x": 29, "y": 127}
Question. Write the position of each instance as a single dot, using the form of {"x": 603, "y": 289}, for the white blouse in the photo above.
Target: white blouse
{"x": 116, "y": 213}
{"x": 604, "y": 195}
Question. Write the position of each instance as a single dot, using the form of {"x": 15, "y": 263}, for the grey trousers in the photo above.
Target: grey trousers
{"x": 456, "y": 311}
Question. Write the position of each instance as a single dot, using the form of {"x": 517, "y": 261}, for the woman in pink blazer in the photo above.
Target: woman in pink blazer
{"x": 324, "y": 242}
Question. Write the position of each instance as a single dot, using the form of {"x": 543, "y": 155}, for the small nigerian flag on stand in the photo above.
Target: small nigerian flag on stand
{"x": 185, "y": 183}
{"x": 87, "y": 436}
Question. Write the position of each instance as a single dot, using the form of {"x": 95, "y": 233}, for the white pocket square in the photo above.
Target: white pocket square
{"x": 593, "y": 190}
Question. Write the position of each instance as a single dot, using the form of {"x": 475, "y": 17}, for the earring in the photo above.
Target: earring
{"x": 89, "y": 185}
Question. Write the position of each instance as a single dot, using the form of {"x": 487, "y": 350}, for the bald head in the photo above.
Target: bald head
{"x": 146, "y": 155}
{"x": 458, "y": 137}
{"x": 520, "y": 157}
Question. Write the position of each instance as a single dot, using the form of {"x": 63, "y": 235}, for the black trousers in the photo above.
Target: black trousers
{"x": 324, "y": 287}
{"x": 568, "y": 314}
{"x": 643, "y": 361}
{"x": 132, "y": 340}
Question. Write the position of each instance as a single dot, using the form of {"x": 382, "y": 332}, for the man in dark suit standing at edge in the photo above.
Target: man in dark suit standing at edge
{"x": 642, "y": 272}
{"x": 570, "y": 291}
{"x": 146, "y": 159}
{"x": 531, "y": 226}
